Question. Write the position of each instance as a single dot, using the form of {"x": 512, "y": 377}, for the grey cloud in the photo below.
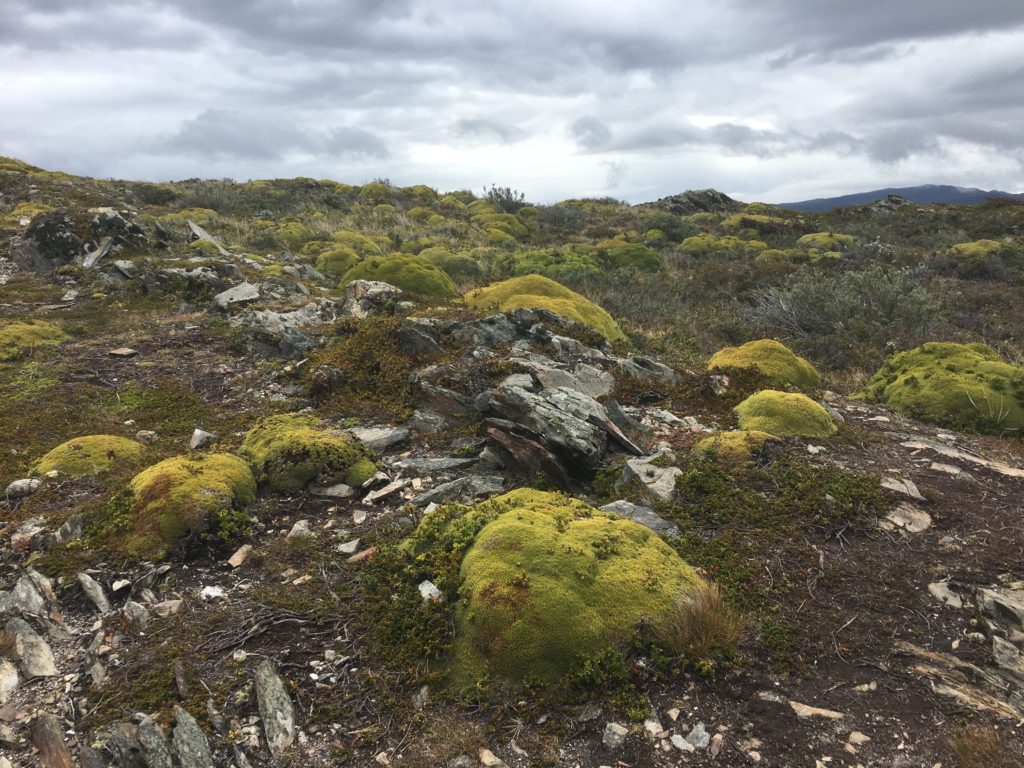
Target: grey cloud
{"x": 487, "y": 130}
{"x": 590, "y": 133}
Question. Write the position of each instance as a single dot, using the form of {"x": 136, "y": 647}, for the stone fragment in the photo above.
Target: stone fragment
{"x": 429, "y": 592}
{"x": 805, "y": 710}
{"x": 154, "y": 745}
{"x": 380, "y": 439}
{"x": 94, "y": 591}
{"x": 905, "y": 487}
{"x": 190, "y": 743}
{"x": 31, "y": 653}
{"x": 614, "y": 735}
{"x": 201, "y": 439}
{"x": 136, "y": 614}
{"x": 26, "y": 486}
{"x": 276, "y": 708}
{"x": 466, "y": 489}
{"x": 240, "y": 555}
{"x": 48, "y": 739}
{"x": 940, "y": 591}
{"x": 909, "y": 517}
{"x": 645, "y": 516}
{"x": 659, "y": 481}
{"x": 167, "y": 608}
{"x": 300, "y": 530}
{"x": 8, "y": 680}
{"x": 244, "y": 293}
{"x": 699, "y": 737}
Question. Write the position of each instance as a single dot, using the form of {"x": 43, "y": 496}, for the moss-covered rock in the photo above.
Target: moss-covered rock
{"x": 336, "y": 261}
{"x": 784, "y": 414}
{"x": 413, "y": 274}
{"x": 19, "y": 338}
{"x": 91, "y": 454}
{"x": 289, "y": 451}
{"x": 618, "y": 254}
{"x": 826, "y": 241}
{"x": 564, "y": 264}
{"x": 965, "y": 386}
{"x": 359, "y": 243}
{"x": 539, "y": 292}
{"x": 782, "y": 366}
{"x": 458, "y": 266}
{"x": 707, "y": 244}
{"x": 734, "y": 445}
{"x": 204, "y": 248}
{"x": 184, "y": 496}
{"x": 548, "y": 581}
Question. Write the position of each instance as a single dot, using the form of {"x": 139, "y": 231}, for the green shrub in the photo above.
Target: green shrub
{"x": 784, "y": 414}
{"x": 290, "y": 451}
{"x": 776, "y": 361}
{"x": 964, "y": 386}
{"x": 413, "y": 274}
{"x": 182, "y": 496}
{"x": 19, "y": 338}
{"x": 91, "y": 454}
{"x": 538, "y": 292}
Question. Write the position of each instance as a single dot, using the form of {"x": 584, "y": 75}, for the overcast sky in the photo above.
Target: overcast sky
{"x": 774, "y": 100}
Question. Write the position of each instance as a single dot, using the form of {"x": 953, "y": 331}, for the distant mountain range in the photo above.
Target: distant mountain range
{"x": 922, "y": 195}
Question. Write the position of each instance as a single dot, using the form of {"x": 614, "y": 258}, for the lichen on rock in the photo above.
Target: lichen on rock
{"x": 784, "y": 414}
{"x": 290, "y": 451}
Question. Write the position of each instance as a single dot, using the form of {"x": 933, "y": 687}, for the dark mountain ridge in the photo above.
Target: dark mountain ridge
{"x": 922, "y": 195}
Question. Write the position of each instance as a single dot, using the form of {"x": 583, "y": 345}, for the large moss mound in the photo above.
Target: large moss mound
{"x": 335, "y": 262}
{"x": 91, "y": 454}
{"x": 539, "y": 292}
{"x": 413, "y": 274}
{"x": 183, "y": 496}
{"x": 289, "y": 451}
{"x": 965, "y": 386}
{"x": 549, "y": 581}
{"x": 19, "y": 338}
{"x": 782, "y": 366}
{"x": 784, "y": 414}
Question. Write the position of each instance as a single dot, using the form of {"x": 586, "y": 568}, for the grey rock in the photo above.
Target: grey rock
{"x": 905, "y": 487}
{"x": 366, "y": 297}
{"x": 336, "y": 491}
{"x": 429, "y": 591}
{"x": 380, "y": 438}
{"x": 201, "y": 439}
{"x": 238, "y": 295}
{"x": 190, "y": 743}
{"x": 637, "y": 432}
{"x": 281, "y": 330}
{"x": 94, "y": 591}
{"x": 614, "y": 735}
{"x": 488, "y": 331}
{"x": 659, "y": 481}
{"x": 23, "y": 487}
{"x": 649, "y": 370}
{"x": 198, "y": 233}
{"x": 300, "y": 530}
{"x": 908, "y": 517}
{"x": 8, "y": 680}
{"x": 419, "y": 336}
{"x": 199, "y": 278}
{"x": 523, "y": 380}
{"x": 136, "y": 614}
{"x": 348, "y": 547}
{"x": 276, "y": 709}
{"x": 166, "y": 608}
{"x": 427, "y": 421}
{"x": 72, "y": 530}
{"x": 593, "y": 381}
{"x": 153, "y": 744}
{"x": 431, "y": 465}
{"x": 469, "y": 488}
{"x": 122, "y": 740}
{"x": 25, "y": 598}
{"x": 940, "y": 591}
{"x": 31, "y": 653}
{"x": 645, "y": 516}
{"x": 126, "y": 268}
{"x": 1003, "y": 606}
{"x": 699, "y": 737}
{"x": 30, "y": 535}
{"x": 1008, "y": 657}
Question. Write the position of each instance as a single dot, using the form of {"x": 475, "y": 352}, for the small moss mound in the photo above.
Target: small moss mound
{"x": 413, "y": 274}
{"x": 335, "y": 262}
{"x": 549, "y": 581}
{"x": 826, "y": 241}
{"x": 91, "y": 454}
{"x": 736, "y": 445}
{"x": 289, "y": 451}
{"x": 183, "y": 496}
{"x": 964, "y": 386}
{"x": 539, "y": 292}
{"x": 782, "y": 366}
{"x": 784, "y": 414}
{"x": 17, "y": 339}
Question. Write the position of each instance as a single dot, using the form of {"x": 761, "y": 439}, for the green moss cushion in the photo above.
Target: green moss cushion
{"x": 965, "y": 386}
{"x": 91, "y": 454}
{"x": 826, "y": 241}
{"x": 782, "y": 366}
{"x": 549, "y": 580}
{"x": 17, "y": 339}
{"x": 289, "y": 451}
{"x": 182, "y": 495}
{"x": 335, "y": 262}
{"x": 411, "y": 273}
{"x": 618, "y": 254}
{"x": 539, "y": 292}
{"x": 735, "y": 445}
{"x": 784, "y": 414}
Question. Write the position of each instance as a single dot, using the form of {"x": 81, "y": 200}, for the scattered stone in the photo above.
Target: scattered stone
{"x": 421, "y": 698}
{"x": 589, "y": 711}
{"x": 904, "y": 487}
{"x": 212, "y": 593}
{"x": 244, "y": 293}
{"x": 145, "y": 436}
{"x": 300, "y": 530}
{"x": 659, "y": 481}
{"x": 489, "y": 760}
{"x": 433, "y": 465}
{"x": 909, "y": 517}
{"x": 349, "y": 547}
{"x": 94, "y": 591}
{"x": 805, "y": 710}
{"x": 698, "y": 737}
{"x": 167, "y": 608}
{"x": 654, "y": 728}
{"x": 717, "y": 742}
{"x": 644, "y": 515}
{"x": 190, "y": 742}
{"x": 940, "y": 591}
{"x": 681, "y": 744}
{"x": 614, "y": 735}
{"x": 8, "y": 680}
{"x": 359, "y": 517}
{"x": 136, "y": 614}
{"x": 465, "y": 489}
{"x": 154, "y": 745}
{"x": 366, "y": 554}
{"x": 393, "y": 487}
{"x": 429, "y": 592}
{"x": 201, "y": 439}
{"x": 29, "y": 535}
{"x": 338, "y": 491}
{"x": 276, "y": 708}
{"x": 240, "y": 556}
{"x": 123, "y": 352}
{"x": 72, "y": 530}
{"x": 380, "y": 439}
{"x": 23, "y": 487}
{"x": 366, "y": 297}
{"x": 31, "y": 653}
{"x": 48, "y": 738}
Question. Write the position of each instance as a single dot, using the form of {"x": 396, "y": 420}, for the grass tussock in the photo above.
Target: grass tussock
{"x": 982, "y": 746}
{"x": 703, "y": 623}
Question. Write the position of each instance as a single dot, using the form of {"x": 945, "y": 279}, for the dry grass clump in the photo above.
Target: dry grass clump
{"x": 702, "y": 623}
{"x": 982, "y": 746}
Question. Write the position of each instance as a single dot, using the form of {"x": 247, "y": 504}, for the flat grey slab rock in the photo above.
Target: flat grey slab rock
{"x": 645, "y": 516}
{"x": 276, "y": 708}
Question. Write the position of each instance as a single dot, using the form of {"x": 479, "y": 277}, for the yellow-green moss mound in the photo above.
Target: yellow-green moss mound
{"x": 782, "y": 366}
{"x": 411, "y": 273}
{"x": 183, "y": 496}
{"x": 91, "y": 454}
{"x": 17, "y": 339}
{"x": 549, "y": 581}
{"x": 966, "y": 386}
{"x": 736, "y": 445}
{"x": 539, "y": 292}
{"x": 335, "y": 262}
{"x": 289, "y": 451}
{"x": 826, "y": 241}
{"x": 784, "y": 414}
